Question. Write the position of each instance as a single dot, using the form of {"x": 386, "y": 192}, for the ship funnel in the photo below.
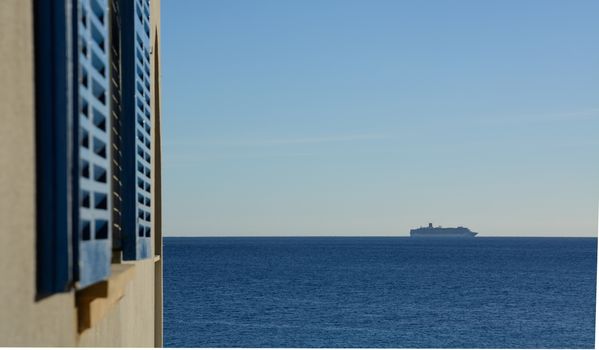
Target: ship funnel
{"x": 430, "y": 225}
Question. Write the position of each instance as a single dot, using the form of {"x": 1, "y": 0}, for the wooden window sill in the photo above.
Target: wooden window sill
{"x": 94, "y": 302}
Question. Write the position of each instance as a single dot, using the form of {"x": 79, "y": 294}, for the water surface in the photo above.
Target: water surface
{"x": 379, "y": 292}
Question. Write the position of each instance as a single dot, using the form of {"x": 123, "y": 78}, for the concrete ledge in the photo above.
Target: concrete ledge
{"x": 94, "y": 302}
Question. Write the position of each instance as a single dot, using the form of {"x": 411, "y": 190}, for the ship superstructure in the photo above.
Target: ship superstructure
{"x": 442, "y": 232}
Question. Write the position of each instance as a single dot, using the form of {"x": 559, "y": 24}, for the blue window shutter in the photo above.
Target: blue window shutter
{"x": 53, "y": 132}
{"x": 92, "y": 150}
{"x": 137, "y": 127}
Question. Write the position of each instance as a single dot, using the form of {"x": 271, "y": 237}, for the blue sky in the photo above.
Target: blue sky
{"x": 370, "y": 117}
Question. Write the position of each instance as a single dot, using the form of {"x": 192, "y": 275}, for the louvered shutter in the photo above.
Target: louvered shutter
{"x": 137, "y": 132}
{"x": 93, "y": 184}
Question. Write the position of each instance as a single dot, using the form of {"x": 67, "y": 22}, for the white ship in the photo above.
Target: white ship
{"x": 442, "y": 232}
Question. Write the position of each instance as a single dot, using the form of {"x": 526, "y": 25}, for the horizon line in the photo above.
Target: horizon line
{"x": 355, "y": 236}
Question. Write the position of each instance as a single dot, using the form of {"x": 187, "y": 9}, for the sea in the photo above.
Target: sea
{"x": 379, "y": 292}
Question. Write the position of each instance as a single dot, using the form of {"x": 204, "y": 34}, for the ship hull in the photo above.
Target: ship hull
{"x": 443, "y": 235}
{"x": 442, "y": 232}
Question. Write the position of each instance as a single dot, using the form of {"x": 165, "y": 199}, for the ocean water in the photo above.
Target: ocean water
{"x": 379, "y": 292}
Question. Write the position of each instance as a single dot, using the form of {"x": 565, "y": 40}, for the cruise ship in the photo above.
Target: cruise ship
{"x": 442, "y": 232}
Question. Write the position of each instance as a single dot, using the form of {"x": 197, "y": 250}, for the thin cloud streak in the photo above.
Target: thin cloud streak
{"x": 282, "y": 141}
{"x": 571, "y": 116}
{"x": 189, "y": 159}
{"x": 318, "y": 140}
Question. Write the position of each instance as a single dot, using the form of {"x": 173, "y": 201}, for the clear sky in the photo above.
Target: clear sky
{"x": 371, "y": 117}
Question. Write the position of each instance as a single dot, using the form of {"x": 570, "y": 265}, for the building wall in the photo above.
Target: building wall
{"x": 51, "y": 321}
{"x": 131, "y": 322}
{"x": 157, "y": 166}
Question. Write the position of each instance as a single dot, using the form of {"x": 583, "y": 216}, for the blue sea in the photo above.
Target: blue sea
{"x": 380, "y": 292}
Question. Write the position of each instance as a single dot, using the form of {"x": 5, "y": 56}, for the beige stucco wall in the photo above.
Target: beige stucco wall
{"x": 53, "y": 320}
{"x": 22, "y": 321}
{"x": 157, "y": 165}
{"x": 131, "y": 322}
